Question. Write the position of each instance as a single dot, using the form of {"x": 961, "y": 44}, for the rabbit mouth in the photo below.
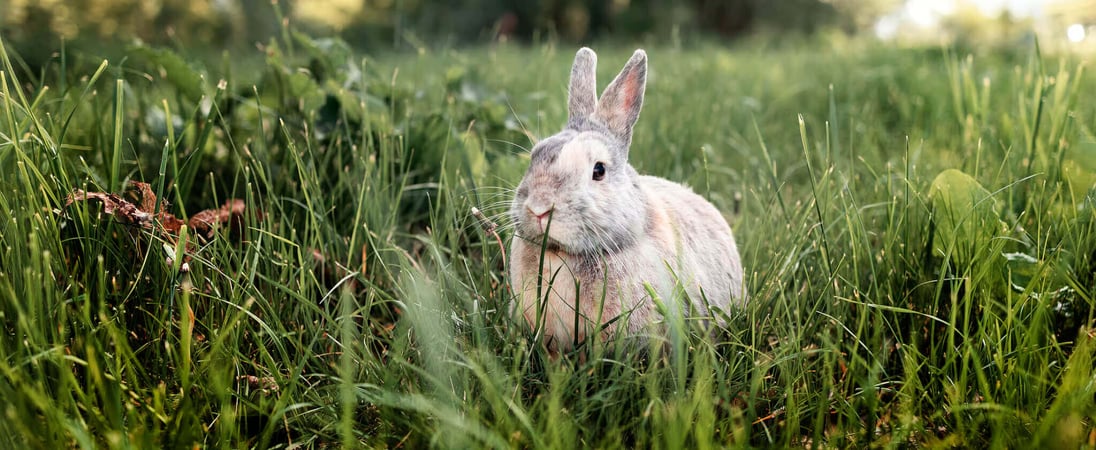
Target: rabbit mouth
{"x": 538, "y": 239}
{"x": 546, "y": 241}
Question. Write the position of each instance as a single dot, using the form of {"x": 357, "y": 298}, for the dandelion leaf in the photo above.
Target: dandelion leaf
{"x": 965, "y": 217}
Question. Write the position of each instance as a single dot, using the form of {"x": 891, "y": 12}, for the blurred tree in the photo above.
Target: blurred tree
{"x": 862, "y": 14}
{"x": 577, "y": 20}
{"x": 969, "y": 25}
{"x": 1062, "y": 15}
{"x": 1067, "y": 12}
{"x": 253, "y": 20}
{"x": 204, "y": 21}
{"x": 35, "y": 28}
{"x": 385, "y": 22}
{"x": 201, "y": 21}
{"x": 727, "y": 17}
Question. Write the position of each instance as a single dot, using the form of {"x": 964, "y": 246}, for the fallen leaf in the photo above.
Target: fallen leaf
{"x": 113, "y": 205}
{"x": 231, "y": 213}
{"x": 141, "y": 210}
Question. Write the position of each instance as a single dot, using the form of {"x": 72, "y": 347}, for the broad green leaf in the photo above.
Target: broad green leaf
{"x": 1079, "y": 167}
{"x": 175, "y": 70}
{"x": 965, "y": 215}
{"x": 303, "y": 87}
{"x": 332, "y": 56}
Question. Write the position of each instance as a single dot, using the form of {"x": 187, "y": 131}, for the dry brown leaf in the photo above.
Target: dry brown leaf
{"x": 231, "y": 213}
{"x": 113, "y": 205}
{"x": 142, "y": 194}
{"x": 140, "y": 210}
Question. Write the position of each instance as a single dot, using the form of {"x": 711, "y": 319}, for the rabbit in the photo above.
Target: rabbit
{"x": 593, "y": 237}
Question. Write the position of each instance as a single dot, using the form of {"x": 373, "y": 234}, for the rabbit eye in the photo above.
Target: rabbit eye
{"x": 599, "y": 171}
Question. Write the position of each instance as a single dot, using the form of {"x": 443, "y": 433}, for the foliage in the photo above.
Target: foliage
{"x": 360, "y": 303}
{"x": 380, "y": 24}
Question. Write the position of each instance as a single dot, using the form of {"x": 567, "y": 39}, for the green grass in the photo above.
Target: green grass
{"x": 361, "y": 304}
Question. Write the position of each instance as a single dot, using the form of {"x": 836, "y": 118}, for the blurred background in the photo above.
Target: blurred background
{"x": 36, "y": 25}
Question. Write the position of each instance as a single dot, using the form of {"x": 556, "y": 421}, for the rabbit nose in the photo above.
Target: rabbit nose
{"x": 540, "y": 212}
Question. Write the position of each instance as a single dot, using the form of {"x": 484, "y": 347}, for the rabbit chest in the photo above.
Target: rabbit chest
{"x": 570, "y": 297}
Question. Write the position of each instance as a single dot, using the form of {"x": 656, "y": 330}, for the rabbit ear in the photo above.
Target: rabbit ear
{"x": 583, "y": 89}
{"x": 619, "y": 106}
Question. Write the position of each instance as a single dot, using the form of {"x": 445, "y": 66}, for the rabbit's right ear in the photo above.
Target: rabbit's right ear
{"x": 618, "y": 108}
{"x": 582, "y": 99}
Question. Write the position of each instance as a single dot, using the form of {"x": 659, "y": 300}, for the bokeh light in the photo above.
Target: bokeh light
{"x": 1076, "y": 32}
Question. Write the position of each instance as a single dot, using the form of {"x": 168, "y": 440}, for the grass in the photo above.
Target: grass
{"x": 894, "y": 303}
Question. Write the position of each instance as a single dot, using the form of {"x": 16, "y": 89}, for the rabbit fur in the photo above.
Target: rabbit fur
{"x": 611, "y": 233}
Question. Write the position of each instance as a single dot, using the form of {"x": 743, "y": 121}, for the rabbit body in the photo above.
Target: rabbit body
{"x": 594, "y": 238}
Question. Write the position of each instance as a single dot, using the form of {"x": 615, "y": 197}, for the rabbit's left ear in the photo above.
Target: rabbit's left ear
{"x": 582, "y": 94}
{"x": 619, "y": 106}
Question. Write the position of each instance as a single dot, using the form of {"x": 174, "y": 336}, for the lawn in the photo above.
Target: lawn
{"x": 276, "y": 248}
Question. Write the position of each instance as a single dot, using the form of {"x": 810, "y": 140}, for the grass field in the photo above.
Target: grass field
{"x": 917, "y": 227}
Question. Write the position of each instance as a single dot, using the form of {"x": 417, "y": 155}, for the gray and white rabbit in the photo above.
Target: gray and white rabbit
{"x": 611, "y": 232}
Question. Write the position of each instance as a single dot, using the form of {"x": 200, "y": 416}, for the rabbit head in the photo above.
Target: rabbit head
{"x": 579, "y": 187}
